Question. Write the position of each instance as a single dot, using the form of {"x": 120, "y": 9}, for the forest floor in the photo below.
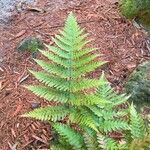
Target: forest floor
{"x": 117, "y": 40}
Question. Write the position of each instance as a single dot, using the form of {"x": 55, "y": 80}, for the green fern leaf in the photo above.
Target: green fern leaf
{"x": 57, "y": 51}
{"x": 64, "y": 84}
{"x": 83, "y": 118}
{"x": 85, "y": 100}
{"x": 49, "y": 94}
{"x": 54, "y": 69}
{"x": 113, "y": 114}
{"x": 54, "y": 113}
{"x": 106, "y": 143}
{"x": 56, "y": 59}
{"x": 113, "y": 125}
{"x": 58, "y": 147}
{"x": 140, "y": 144}
{"x": 90, "y": 141}
{"x": 71, "y": 136}
{"x": 136, "y": 124}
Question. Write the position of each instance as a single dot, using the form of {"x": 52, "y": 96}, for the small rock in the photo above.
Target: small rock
{"x": 31, "y": 44}
{"x": 35, "y": 105}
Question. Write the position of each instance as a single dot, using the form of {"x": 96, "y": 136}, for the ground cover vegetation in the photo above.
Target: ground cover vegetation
{"x": 88, "y": 114}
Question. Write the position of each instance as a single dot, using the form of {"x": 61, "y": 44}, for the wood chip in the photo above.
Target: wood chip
{"x": 26, "y": 144}
{"x": 36, "y": 9}
{"x": 22, "y": 32}
{"x": 131, "y": 66}
{"x": 40, "y": 139}
{"x": 13, "y": 132}
{"x": 33, "y": 127}
{"x": 14, "y": 146}
{"x": 1, "y": 69}
{"x": 18, "y": 109}
{"x": 23, "y": 78}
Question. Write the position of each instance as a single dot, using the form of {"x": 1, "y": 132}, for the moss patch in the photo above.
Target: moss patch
{"x": 138, "y": 85}
{"x": 136, "y": 9}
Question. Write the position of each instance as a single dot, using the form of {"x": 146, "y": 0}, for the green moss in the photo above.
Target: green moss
{"x": 30, "y": 44}
{"x": 138, "y": 85}
{"x": 136, "y": 9}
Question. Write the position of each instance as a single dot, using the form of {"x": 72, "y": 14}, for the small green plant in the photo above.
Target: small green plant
{"x": 87, "y": 112}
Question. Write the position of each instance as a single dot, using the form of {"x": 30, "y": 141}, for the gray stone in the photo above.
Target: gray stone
{"x": 138, "y": 85}
{"x": 7, "y": 8}
{"x": 30, "y": 44}
{"x": 35, "y": 105}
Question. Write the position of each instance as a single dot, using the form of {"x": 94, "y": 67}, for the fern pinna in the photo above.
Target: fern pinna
{"x": 92, "y": 117}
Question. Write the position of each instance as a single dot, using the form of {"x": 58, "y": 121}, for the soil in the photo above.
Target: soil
{"x": 117, "y": 40}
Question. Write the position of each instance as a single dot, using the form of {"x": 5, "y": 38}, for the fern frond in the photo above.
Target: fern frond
{"x": 64, "y": 54}
{"x": 77, "y": 55}
{"x": 136, "y": 124}
{"x": 64, "y": 84}
{"x": 84, "y": 84}
{"x": 108, "y": 93}
{"x": 113, "y": 114}
{"x": 57, "y": 51}
{"x": 84, "y": 118}
{"x": 58, "y": 147}
{"x": 140, "y": 144}
{"x": 50, "y": 113}
{"x": 82, "y": 71}
{"x": 96, "y": 111}
{"x": 66, "y": 33}
{"x": 71, "y": 136}
{"x": 80, "y": 40}
{"x": 56, "y": 59}
{"x": 62, "y": 72}
{"x": 54, "y": 69}
{"x": 90, "y": 141}
{"x": 113, "y": 125}
{"x": 106, "y": 143}
{"x": 85, "y": 60}
{"x": 85, "y": 100}
{"x": 74, "y": 44}
{"x": 52, "y": 81}
{"x": 48, "y": 93}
